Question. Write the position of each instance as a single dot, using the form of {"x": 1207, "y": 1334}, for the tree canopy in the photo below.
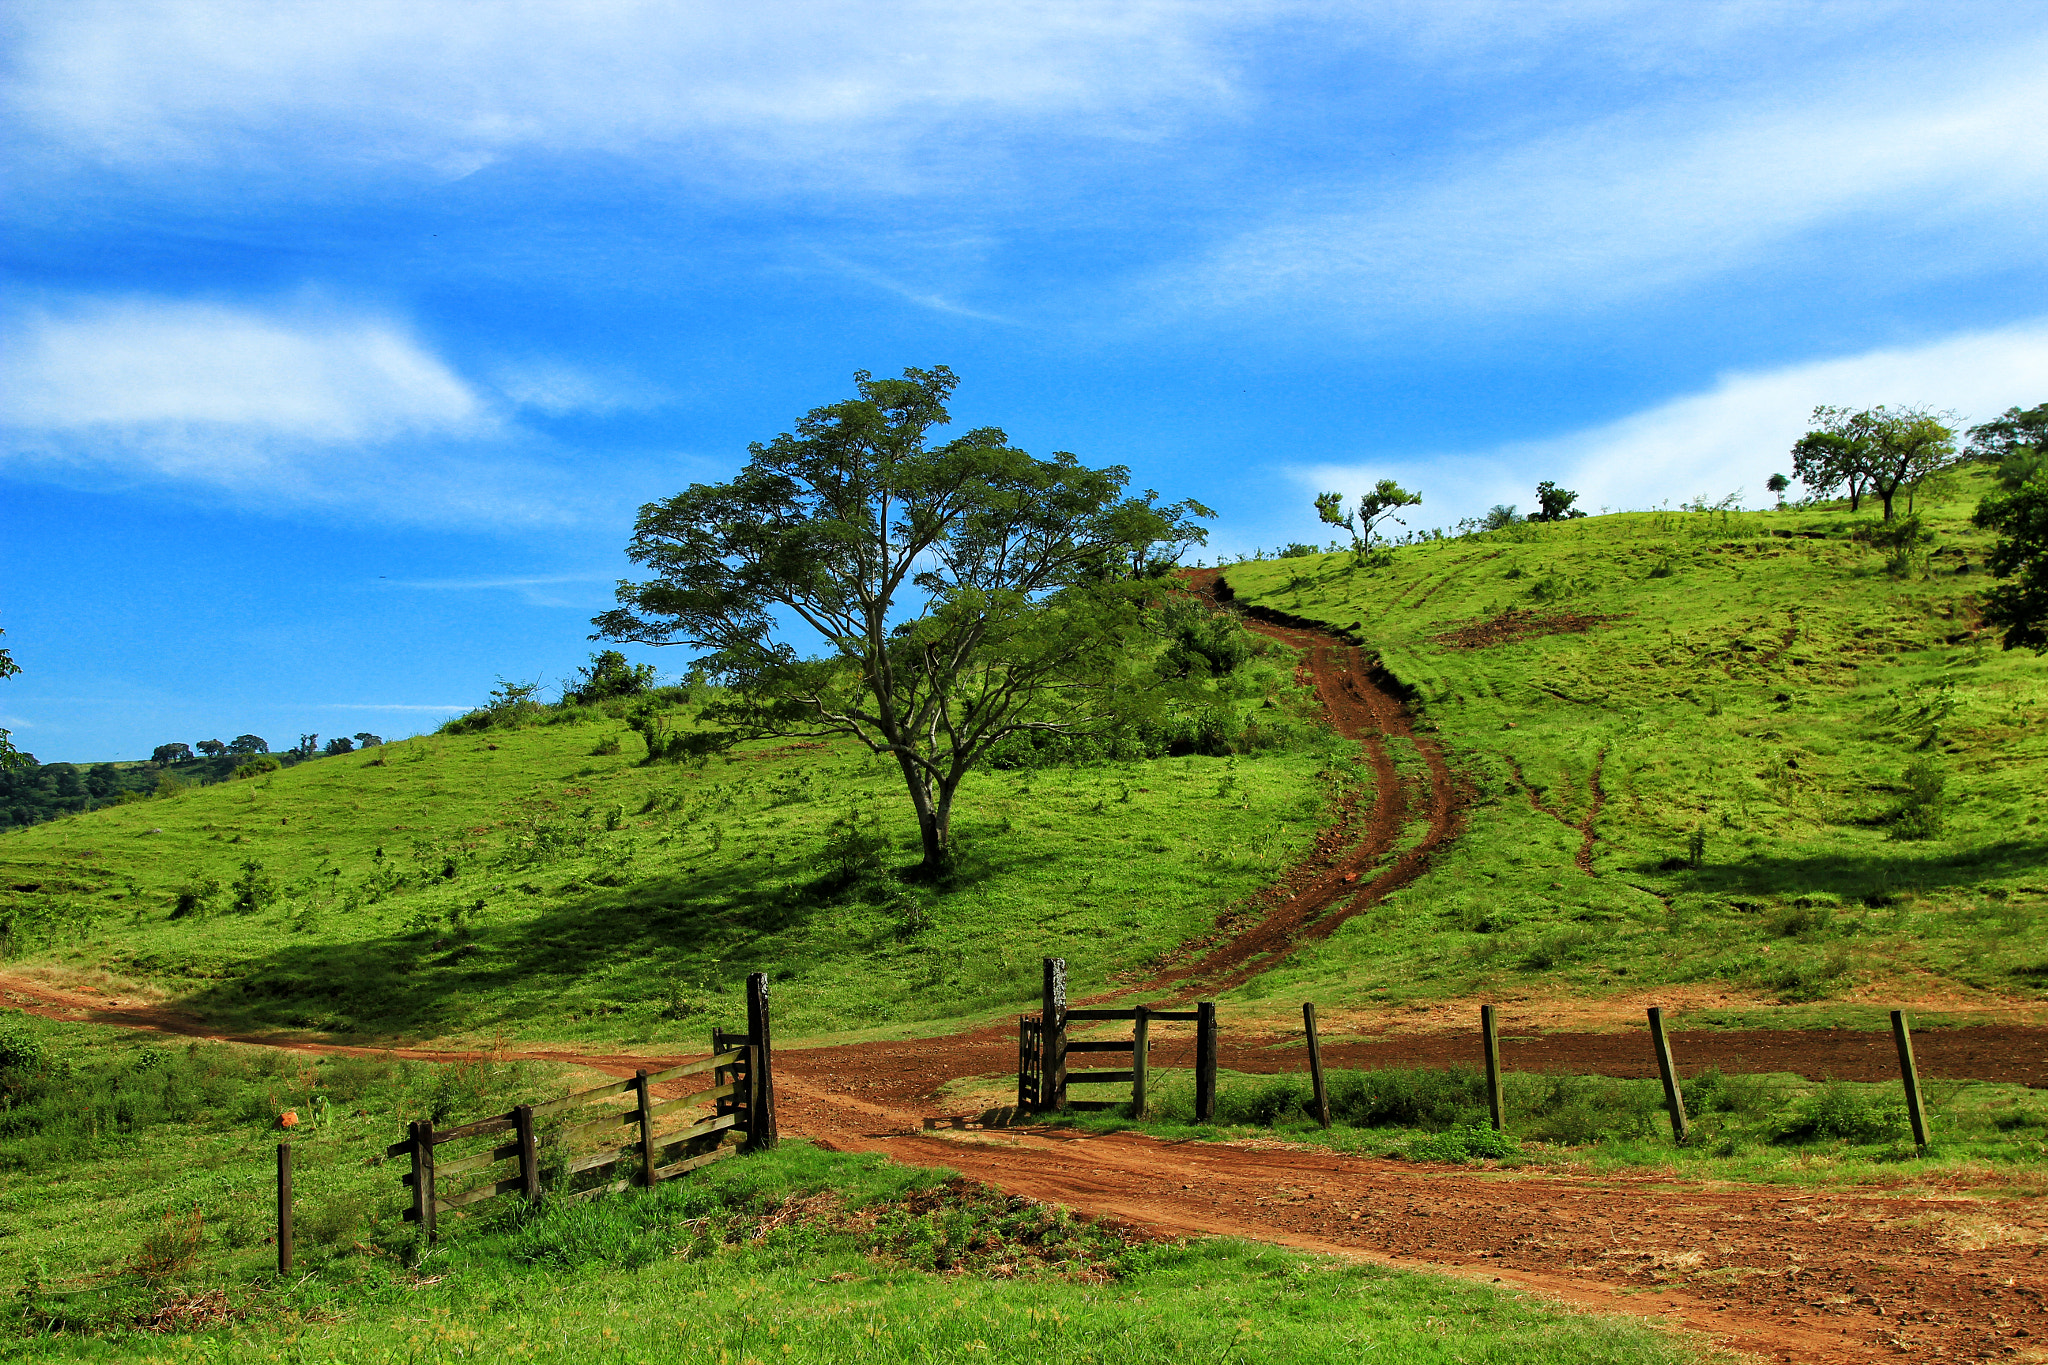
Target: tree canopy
{"x": 964, "y": 591}
{"x": 1554, "y": 503}
{"x": 1374, "y": 507}
{"x": 2016, "y": 442}
{"x": 1880, "y": 450}
{"x": 10, "y": 757}
{"x": 2020, "y": 607}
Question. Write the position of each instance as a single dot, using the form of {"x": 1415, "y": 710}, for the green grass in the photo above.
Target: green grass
{"x": 138, "y": 1186}
{"x": 1761, "y": 689}
{"x": 1778, "y": 1129}
{"x": 518, "y": 882}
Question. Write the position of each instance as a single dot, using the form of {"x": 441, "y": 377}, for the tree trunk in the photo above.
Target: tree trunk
{"x": 934, "y": 820}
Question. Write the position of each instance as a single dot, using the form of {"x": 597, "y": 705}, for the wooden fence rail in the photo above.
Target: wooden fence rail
{"x": 740, "y": 1091}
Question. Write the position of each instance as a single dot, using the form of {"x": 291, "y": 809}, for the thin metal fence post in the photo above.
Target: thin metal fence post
{"x": 284, "y": 1208}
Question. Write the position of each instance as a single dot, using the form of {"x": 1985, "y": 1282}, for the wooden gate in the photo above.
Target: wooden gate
{"x": 740, "y": 1093}
{"x": 1043, "y": 1075}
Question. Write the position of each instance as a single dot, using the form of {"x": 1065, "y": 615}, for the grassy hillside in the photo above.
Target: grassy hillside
{"x": 1739, "y": 749}
{"x": 536, "y": 881}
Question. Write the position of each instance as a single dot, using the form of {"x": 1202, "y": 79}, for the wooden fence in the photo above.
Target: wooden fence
{"x": 1043, "y": 1048}
{"x": 741, "y": 1093}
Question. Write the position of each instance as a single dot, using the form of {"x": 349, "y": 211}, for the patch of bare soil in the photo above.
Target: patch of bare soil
{"x": 1512, "y": 625}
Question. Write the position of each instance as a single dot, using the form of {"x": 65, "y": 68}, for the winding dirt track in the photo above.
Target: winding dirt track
{"x": 1775, "y": 1273}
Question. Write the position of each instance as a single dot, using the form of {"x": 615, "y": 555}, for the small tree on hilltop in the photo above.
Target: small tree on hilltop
{"x": 965, "y": 591}
{"x": 1554, "y": 503}
{"x": 366, "y": 740}
{"x": 608, "y": 676}
{"x": 1385, "y": 499}
{"x": 171, "y": 753}
{"x": 339, "y": 745}
{"x": 10, "y": 757}
{"x": 2020, "y": 517}
{"x": 1778, "y": 483}
{"x": 248, "y": 744}
{"x": 1907, "y": 447}
{"x": 1827, "y": 460}
{"x": 212, "y": 748}
{"x": 1880, "y": 450}
{"x": 2016, "y": 442}
{"x": 307, "y": 747}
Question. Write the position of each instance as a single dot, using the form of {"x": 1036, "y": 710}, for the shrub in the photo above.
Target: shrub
{"x": 1837, "y": 1111}
{"x": 21, "y": 1050}
{"x": 258, "y": 766}
{"x": 195, "y": 897}
{"x": 1923, "y": 811}
{"x": 254, "y": 890}
{"x": 1466, "y": 1142}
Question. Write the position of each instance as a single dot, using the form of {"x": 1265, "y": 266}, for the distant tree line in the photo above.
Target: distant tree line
{"x": 32, "y": 792}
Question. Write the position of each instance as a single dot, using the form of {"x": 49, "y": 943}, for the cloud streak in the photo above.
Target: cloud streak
{"x": 300, "y": 405}
{"x": 1646, "y": 202}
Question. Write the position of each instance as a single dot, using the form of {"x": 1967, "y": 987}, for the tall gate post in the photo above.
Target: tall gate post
{"x": 1205, "y": 1061}
{"x": 1052, "y": 1091}
{"x": 761, "y": 1075}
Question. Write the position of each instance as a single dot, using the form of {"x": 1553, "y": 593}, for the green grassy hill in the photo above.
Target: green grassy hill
{"x": 534, "y": 880}
{"x": 1749, "y": 699}
{"x": 1816, "y": 777}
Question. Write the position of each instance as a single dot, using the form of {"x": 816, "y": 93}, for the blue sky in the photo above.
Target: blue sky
{"x": 341, "y": 340}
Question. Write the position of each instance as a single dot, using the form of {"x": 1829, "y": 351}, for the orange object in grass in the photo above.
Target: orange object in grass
{"x": 288, "y": 1119}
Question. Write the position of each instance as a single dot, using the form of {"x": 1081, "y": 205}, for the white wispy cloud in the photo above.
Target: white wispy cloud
{"x": 454, "y": 87}
{"x": 1634, "y": 204}
{"x": 299, "y": 404}
{"x": 1733, "y": 435}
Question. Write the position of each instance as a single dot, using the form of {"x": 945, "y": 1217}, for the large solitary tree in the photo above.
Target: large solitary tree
{"x": 964, "y": 591}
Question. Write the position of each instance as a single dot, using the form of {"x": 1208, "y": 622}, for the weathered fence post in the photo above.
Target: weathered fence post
{"x": 1674, "y": 1098}
{"x": 529, "y": 1154}
{"x": 1205, "y": 1061}
{"x": 1903, "y": 1036}
{"x": 284, "y": 1208}
{"x": 1052, "y": 1091}
{"x": 1141, "y": 1045}
{"x": 1491, "y": 1039}
{"x": 1027, "y": 1066}
{"x": 643, "y": 1095}
{"x": 423, "y": 1177}
{"x": 761, "y": 1133}
{"x": 1315, "y": 1063}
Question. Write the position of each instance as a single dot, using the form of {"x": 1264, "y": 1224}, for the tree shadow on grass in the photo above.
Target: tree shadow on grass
{"x": 1874, "y": 878}
{"x": 599, "y": 951}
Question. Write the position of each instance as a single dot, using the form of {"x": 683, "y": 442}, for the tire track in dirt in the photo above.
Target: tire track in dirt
{"x": 1343, "y": 876}
{"x": 1598, "y": 798}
